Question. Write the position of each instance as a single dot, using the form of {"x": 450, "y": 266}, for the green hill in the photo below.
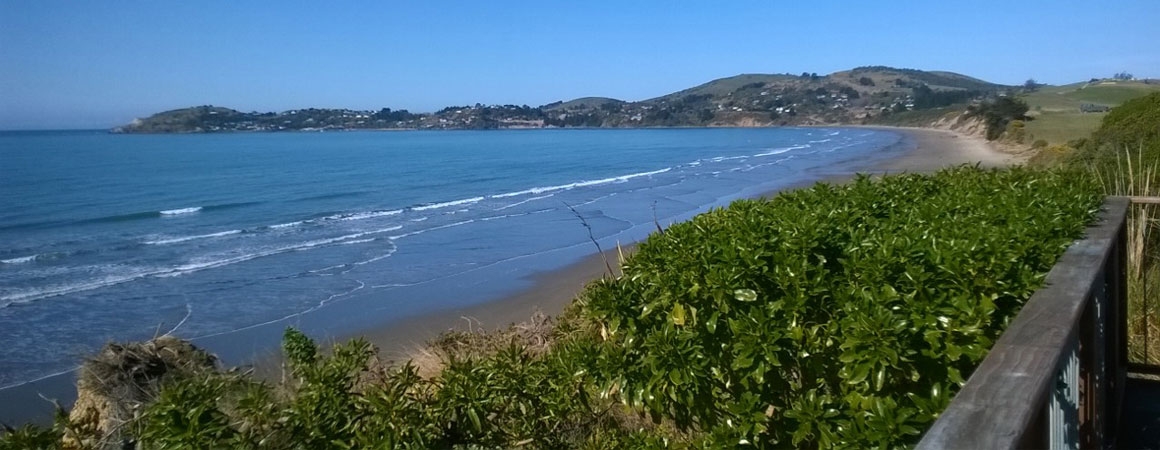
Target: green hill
{"x": 860, "y": 95}
{"x": 938, "y": 80}
{"x": 1057, "y": 113}
{"x": 185, "y": 120}
{"x": 724, "y": 86}
{"x": 581, "y": 103}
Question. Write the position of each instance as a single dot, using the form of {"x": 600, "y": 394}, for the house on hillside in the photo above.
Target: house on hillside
{"x": 1093, "y": 108}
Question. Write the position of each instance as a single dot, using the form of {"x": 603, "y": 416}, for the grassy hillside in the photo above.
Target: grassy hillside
{"x": 1057, "y": 108}
{"x": 195, "y": 119}
{"x": 724, "y": 86}
{"x": 861, "y": 95}
{"x": 937, "y": 80}
{"x": 582, "y": 103}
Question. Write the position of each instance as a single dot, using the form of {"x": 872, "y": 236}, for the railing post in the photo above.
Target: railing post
{"x": 1116, "y": 280}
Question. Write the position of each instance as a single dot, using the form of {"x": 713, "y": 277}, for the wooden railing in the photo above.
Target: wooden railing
{"x": 1055, "y": 378}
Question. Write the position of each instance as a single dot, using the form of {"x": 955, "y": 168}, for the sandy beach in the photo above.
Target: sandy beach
{"x": 931, "y": 150}
{"x": 926, "y": 150}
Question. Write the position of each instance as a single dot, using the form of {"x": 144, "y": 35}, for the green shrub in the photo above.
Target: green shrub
{"x": 1129, "y": 133}
{"x": 1016, "y": 131}
{"x": 1132, "y": 124}
{"x": 836, "y": 315}
{"x": 28, "y": 437}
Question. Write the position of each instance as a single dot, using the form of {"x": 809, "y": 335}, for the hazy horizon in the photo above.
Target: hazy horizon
{"x": 95, "y": 65}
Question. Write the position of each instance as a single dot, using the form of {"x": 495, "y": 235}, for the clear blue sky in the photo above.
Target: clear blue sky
{"x": 86, "y": 64}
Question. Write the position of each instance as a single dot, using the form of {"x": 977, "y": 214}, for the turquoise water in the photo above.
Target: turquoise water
{"x": 231, "y": 237}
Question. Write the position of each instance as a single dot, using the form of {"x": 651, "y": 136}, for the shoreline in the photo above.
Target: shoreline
{"x": 548, "y": 292}
{"x": 552, "y": 291}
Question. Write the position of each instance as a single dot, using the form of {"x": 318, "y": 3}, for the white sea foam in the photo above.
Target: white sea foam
{"x": 538, "y": 197}
{"x": 358, "y": 241}
{"x": 504, "y": 216}
{"x": 377, "y": 258}
{"x": 166, "y": 272}
{"x": 749, "y": 168}
{"x": 363, "y": 215}
{"x": 778, "y": 151}
{"x": 50, "y": 291}
{"x": 726, "y": 158}
{"x": 175, "y": 240}
{"x": 287, "y": 225}
{"x": 209, "y": 264}
{"x": 20, "y": 260}
{"x": 440, "y": 227}
{"x": 465, "y": 201}
{"x": 180, "y": 211}
{"x": 618, "y": 179}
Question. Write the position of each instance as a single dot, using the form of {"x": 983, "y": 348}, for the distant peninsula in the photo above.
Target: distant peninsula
{"x": 860, "y": 95}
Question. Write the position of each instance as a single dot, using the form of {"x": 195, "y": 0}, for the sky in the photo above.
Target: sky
{"x": 94, "y": 64}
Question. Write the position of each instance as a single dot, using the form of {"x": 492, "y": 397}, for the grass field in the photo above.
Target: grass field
{"x": 1056, "y": 108}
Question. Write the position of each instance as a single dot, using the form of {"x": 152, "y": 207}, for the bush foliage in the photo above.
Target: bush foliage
{"x": 1133, "y": 127}
{"x": 834, "y": 316}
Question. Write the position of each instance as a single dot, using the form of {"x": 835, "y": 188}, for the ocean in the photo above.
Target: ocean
{"x": 226, "y": 239}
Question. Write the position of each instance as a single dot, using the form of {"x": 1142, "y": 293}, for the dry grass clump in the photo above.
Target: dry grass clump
{"x": 116, "y": 383}
{"x": 1136, "y": 175}
{"x": 535, "y": 336}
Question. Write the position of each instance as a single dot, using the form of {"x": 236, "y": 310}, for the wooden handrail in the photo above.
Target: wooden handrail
{"x": 1145, "y": 200}
{"x": 1004, "y": 402}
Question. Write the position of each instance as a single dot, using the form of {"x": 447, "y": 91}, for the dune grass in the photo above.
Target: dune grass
{"x": 1135, "y": 175}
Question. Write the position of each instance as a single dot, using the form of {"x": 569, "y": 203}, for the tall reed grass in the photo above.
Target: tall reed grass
{"x": 1137, "y": 175}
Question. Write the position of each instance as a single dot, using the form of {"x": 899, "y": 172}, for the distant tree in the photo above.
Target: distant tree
{"x": 1030, "y": 85}
{"x": 705, "y": 115}
{"x": 805, "y": 75}
{"x": 865, "y": 81}
{"x": 998, "y": 113}
{"x": 1125, "y": 76}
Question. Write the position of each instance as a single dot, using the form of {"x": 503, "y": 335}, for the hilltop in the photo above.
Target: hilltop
{"x": 863, "y": 94}
{"x": 1073, "y": 111}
